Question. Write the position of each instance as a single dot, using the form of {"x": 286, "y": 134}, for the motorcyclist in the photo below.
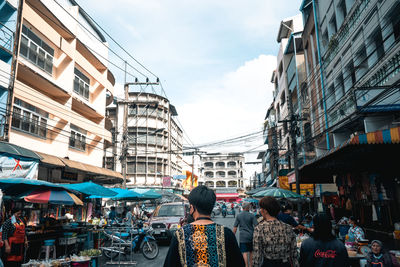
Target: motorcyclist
{"x": 224, "y": 208}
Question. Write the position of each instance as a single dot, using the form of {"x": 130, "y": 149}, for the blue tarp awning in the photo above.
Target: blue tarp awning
{"x": 18, "y": 186}
{"x": 147, "y": 193}
{"x": 90, "y": 188}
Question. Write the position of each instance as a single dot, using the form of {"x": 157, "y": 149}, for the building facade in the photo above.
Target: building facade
{"x": 154, "y": 139}
{"x": 60, "y": 92}
{"x": 8, "y": 11}
{"x": 222, "y": 170}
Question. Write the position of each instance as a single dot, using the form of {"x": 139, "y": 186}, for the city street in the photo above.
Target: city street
{"x": 159, "y": 261}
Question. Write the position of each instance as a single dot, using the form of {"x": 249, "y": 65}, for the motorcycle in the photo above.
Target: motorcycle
{"x": 119, "y": 242}
{"x": 224, "y": 212}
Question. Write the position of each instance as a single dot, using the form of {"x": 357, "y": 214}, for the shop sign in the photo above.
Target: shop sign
{"x": 166, "y": 181}
{"x": 11, "y": 167}
{"x": 282, "y": 161}
{"x": 292, "y": 178}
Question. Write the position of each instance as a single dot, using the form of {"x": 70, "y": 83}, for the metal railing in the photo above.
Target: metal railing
{"x": 6, "y": 37}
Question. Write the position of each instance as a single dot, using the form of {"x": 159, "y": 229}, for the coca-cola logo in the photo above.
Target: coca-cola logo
{"x": 329, "y": 254}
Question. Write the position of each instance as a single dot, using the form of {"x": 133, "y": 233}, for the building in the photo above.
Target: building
{"x": 224, "y": 173}
{"x": 154, "y": 139}
{"x": 355, "y": 127}
{"x": 60, "y": 92}
{"x": 8, "y": 11}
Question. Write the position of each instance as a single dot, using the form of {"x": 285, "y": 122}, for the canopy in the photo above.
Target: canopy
{"x": 255, "y": 190}
{"x": 147, "y": 193}
{"x": 52, "y": 197}
{"x": 90, "y": 188}
{"x": 278, "y": 193}
{"x": 18, "y": 186}
{"x": 251, "y": 200}
{"x": 125, "y": 194}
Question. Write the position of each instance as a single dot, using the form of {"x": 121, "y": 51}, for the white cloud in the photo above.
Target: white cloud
{"x": 234, "y": 105}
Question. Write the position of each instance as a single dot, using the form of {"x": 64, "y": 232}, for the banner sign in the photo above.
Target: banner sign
{"x": 166, "y": 181}
{"x": 18, "y": 168}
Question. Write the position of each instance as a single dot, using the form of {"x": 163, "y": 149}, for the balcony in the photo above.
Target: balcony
{"x": 41, "y": 83}
{"x": 6, "y": 40}
{"x": 85, "y": 110}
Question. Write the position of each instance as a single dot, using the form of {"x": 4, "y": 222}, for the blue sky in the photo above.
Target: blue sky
{"x": 214, "y": 57}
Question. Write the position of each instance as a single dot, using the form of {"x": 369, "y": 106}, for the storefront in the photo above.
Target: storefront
{"x": 366, "y": 172}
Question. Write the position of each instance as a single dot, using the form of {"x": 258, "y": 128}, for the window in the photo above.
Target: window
{"x": 77, "y": 139}
{"x": 378, "y": 42}
{"x": 209, "y": 174}
{"x": 170, "y": 210}
{"x": 36, "y": 50}
{"x": 109, "y": 163}
{"x": 342, "y": 9}
{"x": 81, "y": 84}
{"x": 29, "y": 119}
{"x": 325, "y": 39}
{"x": 332, "y": 25}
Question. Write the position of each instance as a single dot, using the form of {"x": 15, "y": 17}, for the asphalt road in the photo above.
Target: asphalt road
{"x": 159, "y": 261}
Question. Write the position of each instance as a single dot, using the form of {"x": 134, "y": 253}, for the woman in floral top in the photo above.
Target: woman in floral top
{"x": 356, "y": 233}
{"x": 274, "y": 242}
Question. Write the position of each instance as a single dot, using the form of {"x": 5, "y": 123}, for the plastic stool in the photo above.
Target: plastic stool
{"x": 47, "y": 248}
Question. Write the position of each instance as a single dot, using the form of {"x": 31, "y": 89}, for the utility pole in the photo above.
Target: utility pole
{"x": 13, "y": 72}
{"x": 294, "y": 131}
{"x": 125, "y": 134}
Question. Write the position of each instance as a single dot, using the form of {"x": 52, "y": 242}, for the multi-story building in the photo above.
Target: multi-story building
{"x": 60, "y": 92}
{"x": 222, "y": 170}
{"x": 154, "y": 139}
{"x": 8, "y": 11}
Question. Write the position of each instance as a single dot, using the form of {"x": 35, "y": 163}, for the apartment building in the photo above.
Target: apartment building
{"x": 61, "y": 89}
{"x": 8, "y": 11}
{"x": 154, "y": 139}
{"x": 220, "y": 170}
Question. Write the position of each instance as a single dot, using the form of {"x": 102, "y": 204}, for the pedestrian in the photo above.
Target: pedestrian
{"x": 112, "y": 215}
{"x": 274, "y": 242}
{"x": 14, "y": 237}
{"x": 355, "y": 233}
{"x": 203, "y": 242}
{"x": 377, "y": 257}
{"x": 323, "y": 249}
{"x": 246, "y": 222}
{"x": 286, "y": 217}
{"x": 129, "y": 218}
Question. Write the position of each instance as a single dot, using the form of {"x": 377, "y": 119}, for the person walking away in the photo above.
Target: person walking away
{"x": 378, "y": 257}
{"x": 355, "y": 233}
{"x": 274, "y": 242}
{"x": 203, "y": 242}
{"x": 14, "y": 237}
{"x": 246, "y": 222}
{"x": 323, "y": 249}
{"x": 286, "y": 217}
{"x": 129, "y": 218}
{"x": 112, "y": 215}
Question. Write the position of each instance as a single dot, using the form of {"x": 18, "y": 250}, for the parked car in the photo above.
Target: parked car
{"x": 216, "y": 211}
{"x": 167, "y": 218}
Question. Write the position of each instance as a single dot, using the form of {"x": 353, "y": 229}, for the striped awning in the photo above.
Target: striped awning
{"x": 389, "y": 136}
{"x": 359, "y": 151}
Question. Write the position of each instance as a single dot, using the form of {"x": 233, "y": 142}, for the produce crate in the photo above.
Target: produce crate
{"x": 67, "y": 240}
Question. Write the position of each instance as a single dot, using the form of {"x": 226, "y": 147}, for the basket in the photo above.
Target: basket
{"x": 67, "y": 240}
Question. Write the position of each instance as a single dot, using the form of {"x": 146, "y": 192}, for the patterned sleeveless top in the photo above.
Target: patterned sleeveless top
{"x": 202, "y": 245}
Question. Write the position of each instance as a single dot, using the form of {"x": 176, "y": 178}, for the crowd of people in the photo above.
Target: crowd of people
{"x": 268, "y": 241}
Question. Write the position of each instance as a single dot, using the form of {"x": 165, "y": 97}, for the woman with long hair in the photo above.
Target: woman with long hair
{"x": 323, "y": 249}
{"x": 274, "y": 242}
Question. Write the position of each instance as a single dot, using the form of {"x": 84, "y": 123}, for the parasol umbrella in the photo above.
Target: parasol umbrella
{"x": 251, "y": 200}
{"x": 147, "y": 193}
{"x": 18, "y": 186}
{"x": 90, "y": 188}
{"x": 278, "y": 193}
{"x": 125, "y": 194}
{"x": 52, "y": 197}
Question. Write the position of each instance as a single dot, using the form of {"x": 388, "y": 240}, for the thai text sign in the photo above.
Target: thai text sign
{"x": 18, "y": 168}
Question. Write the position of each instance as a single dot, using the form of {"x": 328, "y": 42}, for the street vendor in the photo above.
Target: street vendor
{"x": 14, "y": 237}
{"x": 355, "y": 233}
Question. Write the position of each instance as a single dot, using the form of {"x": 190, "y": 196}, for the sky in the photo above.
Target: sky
{"x": 214, "y": 58}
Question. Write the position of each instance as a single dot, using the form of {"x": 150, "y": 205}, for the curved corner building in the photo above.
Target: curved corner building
{"x": 154, "y": 139}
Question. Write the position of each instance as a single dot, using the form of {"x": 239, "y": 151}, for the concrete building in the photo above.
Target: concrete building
{"x": 8, "y": 12}
{"x": 60, "y": 92}
{"x": 222, "y": 170}
{"x": 154, "y": 139}
{"x": 360, "y": 50}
